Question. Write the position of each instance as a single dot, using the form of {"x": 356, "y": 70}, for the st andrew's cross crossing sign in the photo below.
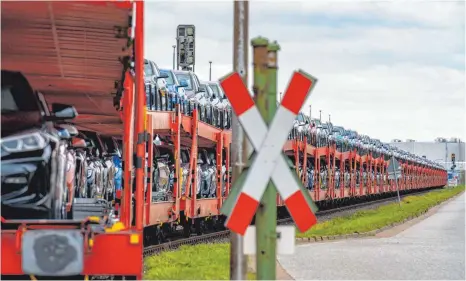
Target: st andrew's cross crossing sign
{"x": 270, "y": 161}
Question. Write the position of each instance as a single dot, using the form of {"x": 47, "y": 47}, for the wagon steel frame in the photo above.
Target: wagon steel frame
{"x": 187, "y": 132}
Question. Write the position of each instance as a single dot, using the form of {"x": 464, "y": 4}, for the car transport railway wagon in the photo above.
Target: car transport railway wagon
{"x": 99, "y": 160}
{"x": 70, "y": 67}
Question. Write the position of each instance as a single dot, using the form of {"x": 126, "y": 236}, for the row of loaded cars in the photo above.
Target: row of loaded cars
{"x": 45, "y": 161}
{"x": 166, "y": 88}
{"x": 323, "y": 134}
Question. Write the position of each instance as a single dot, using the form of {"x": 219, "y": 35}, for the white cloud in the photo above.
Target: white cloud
{"x": 386, "y": 69}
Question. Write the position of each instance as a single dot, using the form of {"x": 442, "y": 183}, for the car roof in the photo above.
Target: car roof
{"x": 182, "y": 71}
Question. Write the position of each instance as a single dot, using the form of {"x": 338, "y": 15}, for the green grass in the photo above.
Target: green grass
{"x": 364, "y": 221}
{"x": 198, "y": 262}
{"x": 212, "y": 261}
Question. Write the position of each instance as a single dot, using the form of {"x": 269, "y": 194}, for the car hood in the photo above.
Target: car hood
{"x": 13, "y": 123}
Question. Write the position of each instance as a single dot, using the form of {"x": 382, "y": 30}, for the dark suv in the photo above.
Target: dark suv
{"x": 32, "y": 154}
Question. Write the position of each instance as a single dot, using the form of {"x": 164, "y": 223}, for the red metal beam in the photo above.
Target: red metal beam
{"x": 140, "y": 113}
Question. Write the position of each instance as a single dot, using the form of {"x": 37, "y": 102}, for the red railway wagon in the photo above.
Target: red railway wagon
{"x": 413, "y": 175}
{"x": 182, "y": 132}
{"x": 79, "y": 53}
{"x": 185, "y": 132}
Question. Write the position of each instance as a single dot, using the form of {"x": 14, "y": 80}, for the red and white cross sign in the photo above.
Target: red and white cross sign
{"x": 270, "y": 162}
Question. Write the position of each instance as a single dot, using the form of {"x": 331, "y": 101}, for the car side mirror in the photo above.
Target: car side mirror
{"x": 78, "y": 143}
{"x": 63, "y": 134}
{"x": 61, "y": 112}
{"x": 183, "y": 84}
{"x": 155, "y": 79}
{"x": 107, "y": 154}
{"x": 162, "y": 75}
{"x": 70, "y": 128}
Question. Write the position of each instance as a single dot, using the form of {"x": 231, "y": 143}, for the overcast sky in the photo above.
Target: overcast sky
{"x": 388, "y": 70}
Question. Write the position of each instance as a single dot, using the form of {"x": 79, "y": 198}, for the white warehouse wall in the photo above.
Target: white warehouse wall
{"x": 436, "y": 151}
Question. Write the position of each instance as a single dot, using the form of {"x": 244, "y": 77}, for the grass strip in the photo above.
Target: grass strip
{"x": 197, "y": 262}
{"x": 212, "y": 261}
{"x": 368, "y": 220}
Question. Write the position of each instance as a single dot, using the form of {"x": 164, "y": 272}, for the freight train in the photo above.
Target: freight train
{"x": 188, "y": 162}
{"x": 191, "y": 166}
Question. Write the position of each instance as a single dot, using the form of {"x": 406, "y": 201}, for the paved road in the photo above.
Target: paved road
{"x": 432, "y": 249}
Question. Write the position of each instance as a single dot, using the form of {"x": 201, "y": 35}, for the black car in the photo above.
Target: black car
{"x": 32, "y": 154}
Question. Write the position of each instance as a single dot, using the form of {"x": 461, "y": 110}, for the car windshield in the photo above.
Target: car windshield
{"x": 17, "y": 96}
{"x": 185, "y": 77}
{"x": 148, "y": 69}
{"x": 215, "y": 89}
{"x": 300, "y": 117}
{"x": 108, "y": 143}
{"x": 209, "y": 90}
{"x": 8, "y": 100}
{"x": 170, "y": 81}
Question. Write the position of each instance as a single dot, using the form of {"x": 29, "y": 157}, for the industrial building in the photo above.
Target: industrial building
{"x": 443, "y": 151}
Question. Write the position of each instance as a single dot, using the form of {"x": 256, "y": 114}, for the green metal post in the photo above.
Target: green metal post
{"x": 265, "y": 90}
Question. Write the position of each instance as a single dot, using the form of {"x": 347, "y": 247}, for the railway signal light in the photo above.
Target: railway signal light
{"x": 185, "y": 40}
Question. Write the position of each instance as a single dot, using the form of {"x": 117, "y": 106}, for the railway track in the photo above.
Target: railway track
{"x": 223, "y": 236}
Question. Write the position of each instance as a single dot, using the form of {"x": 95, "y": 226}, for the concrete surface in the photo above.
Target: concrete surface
{"x": 433, "y": 249}
{"x": 281, "y": 274}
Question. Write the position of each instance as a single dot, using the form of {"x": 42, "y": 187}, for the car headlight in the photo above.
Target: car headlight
{"x": 23, "y": 143}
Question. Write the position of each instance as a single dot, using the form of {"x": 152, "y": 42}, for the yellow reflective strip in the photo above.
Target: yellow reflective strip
{"x": 118, "y": 226}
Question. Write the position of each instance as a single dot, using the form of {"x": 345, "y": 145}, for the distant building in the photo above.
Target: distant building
{"x": 439, "y": 151}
